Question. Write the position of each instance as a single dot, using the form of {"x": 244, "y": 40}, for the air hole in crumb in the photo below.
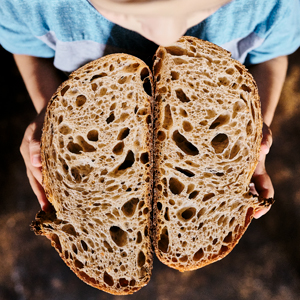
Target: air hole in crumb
{"x": 181, "y": 142}
{"x": 108, "y": 247}
{"x": 86, "y": 147}
{"x": 159, "y": 205}
{"x": 220, "y": 142}
{"x": 183, "y": 112}
{"x": 182, "y": 96}
{"x": 102, "y": 91}
{"x": 190, "y": 188}
{"x": 131, "y": 68}
{"x": 60, "y": 119}
{"x": 92, "y": 135}
{"x": 123, "y": 133}
{"x": 139, "y": 238}
{"x": 220, "y": 121}
{"x": 174, "y": 75}
{"x": 223, "y": 250}
{"x": 80, "y": 100}
{"x": 246, "y": 88}
{"x": 166, "y": 215}
{"x": 184, "y": 258}
{"x": 98, "y": 76}
{"x": 201, "y": 212}
{"x": 146, "y": 81}
{"x": 175, "y": 50}
{"x": 64, "y": 90}
{"x": 78, "y": 264}
{"x": 163, "y": 242}
{"x": 128, "y": 162}
{"x": 144, "y": 158}
{"x": 111, "y": 118}
{"x": 193, "y": 195}
{"x": 84, "y": 245}
{"x": 224, "y": 81}
{"x": 198, "y": 255}
{"x": 108, "y": 279}
{"x": 94, "y": 86}
{"x": 123, "y": 282}
{"x": 175, "y": 186}
{"x": 179, "y": 61}
{"x": 168, "y": 120}
{"x": 249, "y": 128}
{"x": 186, "y": 214}
{"x": 228, "y": 238}
{"x": 118, "y": 149}
{"x": 119, "y": 236}
{"x": 113, "y": 106}
{"x": 55, "y": 239}
{"x": 141, "y": 259}
{"x": 129, "y": 207}
{"x": 69, "y": 229}
{"x": 122, "y": 79}
{"x": 186, "y": 172}
{"x": 161, "y": 136}
{"x": 65, "y": 129}
{"x": 230, "y": 71}
{"x": 208, "y": 196}
{"x": 235, "y": 150}
{"x": 187, "y": 126}
{"x": 239, "y": 69}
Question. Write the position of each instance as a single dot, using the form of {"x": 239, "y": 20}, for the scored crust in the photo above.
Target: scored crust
{"x": 97, "y": 173}
{"x": 208, "y": 130}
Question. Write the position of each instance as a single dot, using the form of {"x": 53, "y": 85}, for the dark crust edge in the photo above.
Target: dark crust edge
{"x": 257, "y": 203}
{"x": 37, "y": 225}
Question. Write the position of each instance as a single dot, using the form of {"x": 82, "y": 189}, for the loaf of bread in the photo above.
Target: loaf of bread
{"x": 208, "y": 130}
{"x": 101, "y": 167}
{"x": 96, "y": 159}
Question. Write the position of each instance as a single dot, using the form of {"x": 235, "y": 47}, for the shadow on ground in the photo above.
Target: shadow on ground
{"x": 264, "y": 265}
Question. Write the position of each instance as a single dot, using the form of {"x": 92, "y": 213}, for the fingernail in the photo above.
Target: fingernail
{"x": 36, "y": 160}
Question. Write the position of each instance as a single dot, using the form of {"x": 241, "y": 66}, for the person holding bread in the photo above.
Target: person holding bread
{"x": 49, "y": 39}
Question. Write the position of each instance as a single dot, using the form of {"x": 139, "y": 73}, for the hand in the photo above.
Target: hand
{"x": 30, "y": 150}
{"x": 261, "y": 182}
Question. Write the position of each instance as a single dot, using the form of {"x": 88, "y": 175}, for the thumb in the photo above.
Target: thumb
{"x": 35, "y": 153}
{"x": 267, "y": 139}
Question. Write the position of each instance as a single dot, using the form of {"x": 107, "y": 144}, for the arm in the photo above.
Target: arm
{"x": 41, "y": 79}
{"x": 269, "y": 76}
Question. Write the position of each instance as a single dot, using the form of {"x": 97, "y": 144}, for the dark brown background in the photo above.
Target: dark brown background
{"x": 264, "y": 265}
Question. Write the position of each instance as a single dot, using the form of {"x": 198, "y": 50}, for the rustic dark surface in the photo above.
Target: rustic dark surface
{"x": 264, "y": 265}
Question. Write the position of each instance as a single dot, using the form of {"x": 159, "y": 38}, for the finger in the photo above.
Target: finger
{"x": 261, "y": 212}
{"x": 267, "y": 139}
{"x": 39, "y": 192}
{"x": 263, "y": 185}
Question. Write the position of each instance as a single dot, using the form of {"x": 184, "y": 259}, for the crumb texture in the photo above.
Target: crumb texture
{"x": 207, "y": 140}
{"x": 97, "y": 173}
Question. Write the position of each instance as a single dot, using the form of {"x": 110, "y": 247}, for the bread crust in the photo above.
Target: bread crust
{"x": 184, "y": 236}
{"x": 85, "y": 86}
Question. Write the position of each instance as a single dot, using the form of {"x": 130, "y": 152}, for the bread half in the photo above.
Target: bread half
{"x": 97, "y": 160}
{"x": 208, "y": 130}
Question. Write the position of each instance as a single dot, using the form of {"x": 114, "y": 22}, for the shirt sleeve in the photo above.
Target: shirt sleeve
{"x": 16, "y": 36}
{"x": 281, "y": 33}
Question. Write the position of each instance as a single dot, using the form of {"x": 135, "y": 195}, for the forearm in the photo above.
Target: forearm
{"x": 41, "y": 78}
{"x": 270, "y": 77}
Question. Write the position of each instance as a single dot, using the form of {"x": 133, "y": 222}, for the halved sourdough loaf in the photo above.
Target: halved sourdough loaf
{"x": 97, "y": 158}
{"x": 208, "y": 130}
